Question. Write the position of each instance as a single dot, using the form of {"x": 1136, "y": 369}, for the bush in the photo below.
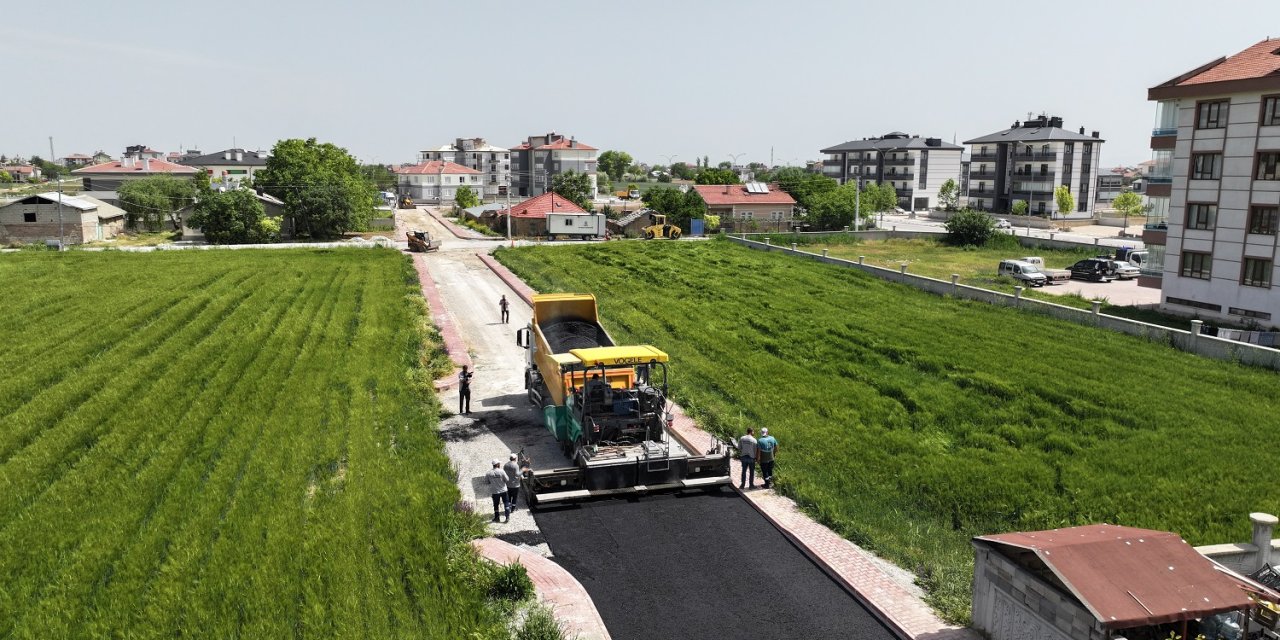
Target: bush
{"x": 970, "y": 227}
{"x": 540, "y": 624}
{"x": 510, "y": 582}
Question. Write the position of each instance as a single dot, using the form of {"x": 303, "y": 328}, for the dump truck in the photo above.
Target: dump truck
{"x": 606, "y": 405}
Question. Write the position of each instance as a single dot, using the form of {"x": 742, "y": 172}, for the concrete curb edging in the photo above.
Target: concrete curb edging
{"x": 457, "y": 231}
{"x": 850, "y": 566}
{"x": 555, "y": 587}
{"x": 443, "y": 321}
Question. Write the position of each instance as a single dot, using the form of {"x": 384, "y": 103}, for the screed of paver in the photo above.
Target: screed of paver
{"x": 698, "y": 565}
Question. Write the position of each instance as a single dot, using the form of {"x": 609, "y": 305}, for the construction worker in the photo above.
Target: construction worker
{"x": 496, "y": 480}
{"x": 464, "y": 391}
{"x": 747, "y": 455}
{"x": 512, "y": 469}
{"x": 766, "y": 447}
{"x": 502, "y": 305}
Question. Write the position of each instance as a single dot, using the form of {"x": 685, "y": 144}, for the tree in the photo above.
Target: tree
{"x": 322, "y": 187}
{"x": 380, "y": 176}
{"x": 970, "y": 227}
{"x": 678, "y": 207}
{"x": 803, "y": 185}
{"x": 835, "y": 208}
{"x": 682, "y": 170}
{"x": 1019, "y": 208}
{"x": 465, "y": 198}
{"x": 1128, "y": 204}
{"x": 50, "y": 170}
{"x": 574, "y": 187}
{"x": 5, "y": 177}
{"x": 1062, "y": 195}
{"x": 725, "y": 165}
{"x": 716, "y": 176}
{"x": 879, "y": 197}
{"x": 614, "y": 163}
{"x": 666, "y": 177}
{"x": 949, "y": 195}
{"x": 233, "y": 217}
{"x": 149, "y": 202}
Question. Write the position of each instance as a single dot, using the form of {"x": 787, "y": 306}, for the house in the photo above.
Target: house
{"x": 476, "y": 153}
{"x": 76, "y": 160}
{"x": 100, "y": 157}
{"x": 484, "y": 213}
{"x": 35, "y": 219}
{"x": 436, "y": 180}
{"x": 1110, "y": 185}
{"x": 1214, "y": 189}
{"x": 1028, "y": 161}
{"x": 272, "y": 206}
{"x": 916, "y": 167}
{"x": 22, "y": 172}
{"x": 754, "y": 206}
{"x": 538, "y": 160}
{"x": 529, "y": 218}
{"x": 137, "y": 163}
{"x": 229, "y": 167}
{"x": 1096, "y": 582}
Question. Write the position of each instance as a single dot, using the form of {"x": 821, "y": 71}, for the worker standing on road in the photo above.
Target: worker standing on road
{"x": 512, "y": 469}
{"x": 767, "y": 445}
{"x": 502, "y": 305}
{"x": 464, "y": 391}
{"x": 747, "y": 455}
{"x": 496, "y": 480}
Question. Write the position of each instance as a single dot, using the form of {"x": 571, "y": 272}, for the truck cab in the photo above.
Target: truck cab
{"x": 1024, "y": 272}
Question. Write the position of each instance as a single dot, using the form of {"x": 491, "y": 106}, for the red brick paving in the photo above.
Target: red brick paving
{"x": 848, "y": 563}
{"x": 556, "y": 588}
{"x": 456, "y": 230}
{"x": 440, "y": 317}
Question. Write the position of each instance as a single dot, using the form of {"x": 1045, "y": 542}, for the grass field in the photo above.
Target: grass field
{"x": 911, "y": 422}
{"x": 225, "y": 444}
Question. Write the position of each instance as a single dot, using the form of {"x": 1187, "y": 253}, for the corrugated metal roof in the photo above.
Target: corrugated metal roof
{"x": 1130, "y": 577}
{"x": 67, "y": 201}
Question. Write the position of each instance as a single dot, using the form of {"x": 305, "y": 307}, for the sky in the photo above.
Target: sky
{"x": 732, "y": 80}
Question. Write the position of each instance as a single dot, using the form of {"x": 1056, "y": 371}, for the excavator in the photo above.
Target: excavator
{"x": 658, "y": 228}
{"x": 606, "y": 405}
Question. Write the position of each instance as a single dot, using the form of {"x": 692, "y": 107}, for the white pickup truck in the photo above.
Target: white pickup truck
{"x": 1054, "y": 276}
{"x": 1024, "y": 272}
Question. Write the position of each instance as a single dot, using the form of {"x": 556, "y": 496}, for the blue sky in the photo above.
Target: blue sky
{"x": 692, "y": 78}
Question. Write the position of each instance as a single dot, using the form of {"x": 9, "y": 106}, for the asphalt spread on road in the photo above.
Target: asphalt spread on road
{"x": 698, "y": 565}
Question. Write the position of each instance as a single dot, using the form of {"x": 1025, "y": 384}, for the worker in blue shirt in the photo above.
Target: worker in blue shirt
{"x": 766, "y": 446}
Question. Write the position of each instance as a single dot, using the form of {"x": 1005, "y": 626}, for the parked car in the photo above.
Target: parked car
{"x": 1001, "y": 223}
{"x": 1095, "y": 269}
{"x": 1054, "y": 275}
{"x": 1024, "y": 272}
{"x": 1125, "y": 271}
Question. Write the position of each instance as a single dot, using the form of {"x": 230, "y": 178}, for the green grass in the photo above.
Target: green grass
{"x": 475, "y": 226}
{"x": 910, "y": 422}
{"x": 225, "y": 444}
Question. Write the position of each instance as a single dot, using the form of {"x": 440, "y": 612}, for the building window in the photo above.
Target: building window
{"x": 747, "y": 215}
{"x": 1257, "y": 272}
{"x": 1206, "y": 166}
{"x": 1249, "y": 313}
{"x": 1201, "y": 216}
{"x": 1211, "y": 115}
{"x": 29, "y": 216}
{"x": 1268, "y": 166}
{"x": 1196, "y": 265}
{"x": 1270, "y": 111}
{"x": 1263, "y": 220}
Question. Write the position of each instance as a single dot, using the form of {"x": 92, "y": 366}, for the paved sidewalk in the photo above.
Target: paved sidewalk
{"x": 860, "y": 571}
{"x": 440, "y": 317}
{"x": 457, "y": 230}
{"x": 556, "y": 588}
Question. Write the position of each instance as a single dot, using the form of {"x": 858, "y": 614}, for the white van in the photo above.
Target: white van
{"x": 1025, "y": 272}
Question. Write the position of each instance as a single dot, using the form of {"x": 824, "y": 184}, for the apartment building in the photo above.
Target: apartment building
{"x": 916, "y": 167}
{"x": 494, "y": 163}
{"x": 436, "y": 181}
{"x": 1028, "y": 161}
{"x": 536, "y": 161}
{"x": 1214, "y": 188}
{"x": 227, "y": 168}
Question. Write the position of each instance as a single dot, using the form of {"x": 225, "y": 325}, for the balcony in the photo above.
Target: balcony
{"x": 900, "y": 161}
{"x": 1036, "y": 155}
{"x": 1033, "y": 196}
{"x": 831, "y": 163}
{"x": 982, "y": 175}
{"x": 1159, "y": 179}
{"x": 897, "y": 177}
{"x": 1164, "y": 131}
{"x": 981, "y": 157}
{"x": 1035, "y": 176}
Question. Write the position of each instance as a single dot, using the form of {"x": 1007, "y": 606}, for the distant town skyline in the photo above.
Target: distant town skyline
{"x": 675, "y": 81}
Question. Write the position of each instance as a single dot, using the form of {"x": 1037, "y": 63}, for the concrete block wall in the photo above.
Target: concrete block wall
{"x": 1012, "y": 603}
{"x": 1249, "y": 556}
{"x": 1207, "y": 346}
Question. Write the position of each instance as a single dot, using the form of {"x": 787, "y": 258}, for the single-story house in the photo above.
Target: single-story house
{"x": 529, "y": 218}
{"x": 108, "y": 176}
{"x": 273, "y": 208}
{"x": 21, "y": 172}
{"x": 1097, "y": 582}
{"x": 754, "y": 206}
{"x": 34, "y": 219}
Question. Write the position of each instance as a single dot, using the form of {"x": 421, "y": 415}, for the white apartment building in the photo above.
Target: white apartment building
{"x": 229, "y": 167}
{"x": 436, "y": 181}
{"x": 916, "y": 167}
{"x": 1028, "y": 161}
{"x": 476, "y": 153}
{"x": 1215, "y": 188}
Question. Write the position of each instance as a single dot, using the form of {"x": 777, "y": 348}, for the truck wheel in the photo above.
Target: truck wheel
{"x": 648, "y": 234}
{"x": 675, "y": 234}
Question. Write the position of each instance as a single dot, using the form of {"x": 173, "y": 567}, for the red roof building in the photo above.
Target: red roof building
{"x": 749, "y": 207}
{"x": 529, "y": 218}
{"x": 436, "y": 180}
{"x": 108, "y": 176}
{"x": 435, "y": 167}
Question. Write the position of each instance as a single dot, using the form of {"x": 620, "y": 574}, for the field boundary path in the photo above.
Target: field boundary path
{"x": 457, "y": 231}
{"x": 555, "y": 586}
{"x": 443, "y": 321}
{"x": 859, "y": 571}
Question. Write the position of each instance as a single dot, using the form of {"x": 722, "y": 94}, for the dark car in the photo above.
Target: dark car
{"x": 1093, "y": 269}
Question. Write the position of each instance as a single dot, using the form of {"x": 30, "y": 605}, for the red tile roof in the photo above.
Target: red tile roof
{"x": 561, "y": 144}
{"x": 435, "y": 166}
{"x": 715, "y": 194}
{"x": 157, "y": 166}
{"x": 540, "y": 206}
{"x": 12, "y": 169}
{"x": 1258, "y": 61}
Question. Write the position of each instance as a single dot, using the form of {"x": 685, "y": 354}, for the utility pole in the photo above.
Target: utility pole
{"x": 60, "y": 231}
{"x": 509, "y": 239}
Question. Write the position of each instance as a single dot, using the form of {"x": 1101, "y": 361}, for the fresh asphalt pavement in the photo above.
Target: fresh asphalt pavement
{"x": 698, "y": 565}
